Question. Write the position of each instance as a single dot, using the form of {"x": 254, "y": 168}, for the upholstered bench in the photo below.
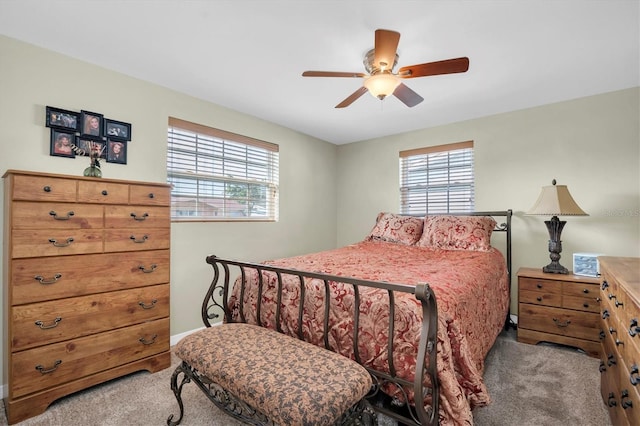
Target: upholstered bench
{"x": 265, "y": 377}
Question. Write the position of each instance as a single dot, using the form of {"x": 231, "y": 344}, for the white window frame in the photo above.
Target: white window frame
{"x": 438, "y": 179}
{"x": 219, "y": 175}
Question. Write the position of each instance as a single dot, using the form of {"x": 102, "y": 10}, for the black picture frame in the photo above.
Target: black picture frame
{"x": 117, "y": 130}
{"x": 84, "y": 146}
{"x": 116, "y": 151}
{"x": 62, "y": 143}
{"x": 92, "y": 124}
{"x": 58, "y": 118}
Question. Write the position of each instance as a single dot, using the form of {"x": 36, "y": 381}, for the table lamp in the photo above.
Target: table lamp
{"x": 555, "y": 200}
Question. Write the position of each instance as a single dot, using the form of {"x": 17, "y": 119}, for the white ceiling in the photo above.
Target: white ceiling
{"x": 249, "y": 55}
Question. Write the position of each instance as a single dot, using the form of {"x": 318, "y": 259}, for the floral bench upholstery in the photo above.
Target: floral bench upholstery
{"x": 265, "y": 377}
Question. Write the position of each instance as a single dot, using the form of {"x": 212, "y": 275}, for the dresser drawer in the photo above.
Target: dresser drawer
{"x": 582, "y": 325}
{"x": 581, "y": 303}
{"x": 97, "y": 191}
{"x": 137, "y": 239}
{"x": 56, "y": 242}
{"x": 540, "y": 298}
{"x": 42, "y": 323}
{"x": 49, "y": 278}
{"x": 26, "y": 215}
{"x": 545, "y": 286}
{"x": 42, "y": 188}
{"x": 136, "y": 217}
{"x": 37, "y": 369}
{"x": 149, "y": 195}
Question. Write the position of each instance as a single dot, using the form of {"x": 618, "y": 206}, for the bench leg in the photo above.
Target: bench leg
{"x": 183, "y": 368}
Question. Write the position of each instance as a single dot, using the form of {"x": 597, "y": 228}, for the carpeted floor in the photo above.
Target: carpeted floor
{"x": 530, "y": 385}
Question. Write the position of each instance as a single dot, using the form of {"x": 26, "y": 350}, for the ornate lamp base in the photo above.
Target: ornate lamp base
{"x": 554, "y": 226}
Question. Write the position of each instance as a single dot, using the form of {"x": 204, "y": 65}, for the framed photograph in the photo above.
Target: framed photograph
{"x": 116, "y": 151}
{"x": 92, "y": 124}
{"x": 117, "y": 130}
{"x": 62, "y": 143}
{"x": 85, "y": 146}
{"x": 62, "y": 119}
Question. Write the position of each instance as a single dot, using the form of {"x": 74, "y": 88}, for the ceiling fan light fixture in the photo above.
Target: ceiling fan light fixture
{"x": 381, "y": 85}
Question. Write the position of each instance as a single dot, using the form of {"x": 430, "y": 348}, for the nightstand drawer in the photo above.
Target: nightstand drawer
{"x": 582, "y": 325}
{"x": 540, "y": 298}
{"x": 545, "y": 286}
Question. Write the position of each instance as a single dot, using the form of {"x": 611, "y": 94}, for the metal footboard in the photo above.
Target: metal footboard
{"x": 216, "y": 306}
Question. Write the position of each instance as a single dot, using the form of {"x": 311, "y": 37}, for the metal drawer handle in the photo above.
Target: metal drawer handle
{"x": 539, "y": 298}
{"x": 605, "y": 314}
{"x": 144, "y": 238}
{"x": 148, "y": 342}
{"x": 43, "y": 370}
{"x": 605, "y": 284}
{"x": 45, "y": 281}
{"x": 145, "y": 306}
{"x": 57, "y": 244}
{"x": 612, "y": 400}
{"x": 619, "y": 342}
{"x": 148, "y": 271}
{"x": 561, "y": 324}
{"x": 625, "y": 404}
{"x": 104, "y": 192}
{"x": 585, "y": 305}
{"x": 539, "y": 285}
{"x": 602, "y": 367}
{"x": 633, "y": 327}
{"x": 611, "y": 360}
{"x": 618, "y": 304}
{"x": 47, "y": 189}
{"x": 611, "y": 296}
{"x": 151, "y": 195}
{"x": 52, "y": 325}
{"x": 56, "y": 217}
{"x": 140, "y": 218}
{"x": 585, "y": 291}
{"x": 633, "y": 376}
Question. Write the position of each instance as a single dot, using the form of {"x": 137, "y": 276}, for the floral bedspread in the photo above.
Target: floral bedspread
{"x": 472, "y": 294}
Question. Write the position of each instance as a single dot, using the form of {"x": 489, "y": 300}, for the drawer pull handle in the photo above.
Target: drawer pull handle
{"x": 45, "y": 281}
{"x": 47, "y": 189}
{"x": 104, "y": 192}
{"x": 148, "y": 342}
{"x": 539, "y": 285}
{"x": 585, "y": 291}
{"x": 56, "y": 217}
{"x": 140, "y": 218}
{"x": 598, "y": 299}
{"x": 611, "y": 360}
{"x": 625, "y": 404}
{"x": 611, "y": 296}
{"x": 57, "y": 244}
{"x": 145, "y": 306}
{"x": 142, "y": 240}
{"x": 612, "y": 330}
{"x": 633, "y": 327}
{"x": 585, "y": 305}
{"x": 601, "y": 335}
{"x": 612, "y": 400}
{"x": 605, "y": 314}
{"x": 561, "y": 324}
{"x": 633, "y": 376}
{"x": 605, "y": 284}
{"x": 618, "y": 304}
{"x": 43, "y": 370}
{"x": 619, "y": 342}
{"x": 539, "y": 298}
{"x": 602, "y": 367}
{"x": 54, "y": 324}
{"x": 148, "y": 271}
{"x": 151, "y": 195}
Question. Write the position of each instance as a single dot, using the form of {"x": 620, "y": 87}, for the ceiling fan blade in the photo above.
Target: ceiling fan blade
{"x": 449, "y": 66}
{"x": 352, "y": 97}
{"x": 385, "y": 49}
{"x": 407, "y": 96}
{"x": 332, "y": 74}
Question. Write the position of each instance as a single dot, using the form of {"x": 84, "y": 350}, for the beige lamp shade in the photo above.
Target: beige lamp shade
{"x": 555, "y": 200}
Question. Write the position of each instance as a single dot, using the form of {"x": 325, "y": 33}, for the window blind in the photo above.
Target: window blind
{"x": 219, "y": 175}
{"x": 436, "y": 180}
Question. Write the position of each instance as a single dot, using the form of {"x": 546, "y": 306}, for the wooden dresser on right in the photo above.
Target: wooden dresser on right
{"x": 620, "y": 336}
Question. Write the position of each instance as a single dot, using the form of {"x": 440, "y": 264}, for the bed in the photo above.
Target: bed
{"x": 438, "y": 278}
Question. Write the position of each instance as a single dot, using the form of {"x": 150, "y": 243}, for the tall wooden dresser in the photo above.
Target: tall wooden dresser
{"x": 620, "y": 316}
{"x": 86, "y": 284}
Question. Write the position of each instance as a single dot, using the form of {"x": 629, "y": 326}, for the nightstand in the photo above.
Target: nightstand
{"x": 557, "y": 308}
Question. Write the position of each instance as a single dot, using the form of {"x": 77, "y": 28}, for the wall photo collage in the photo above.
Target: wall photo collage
{"x": 80, "y": 133}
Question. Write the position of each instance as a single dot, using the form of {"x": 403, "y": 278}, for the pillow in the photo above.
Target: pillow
{"x": 457, "y": 232}
{"x": 394, "y": 228}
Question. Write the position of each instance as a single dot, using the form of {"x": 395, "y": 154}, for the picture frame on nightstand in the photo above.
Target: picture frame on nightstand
{"x": 586, "y": 264}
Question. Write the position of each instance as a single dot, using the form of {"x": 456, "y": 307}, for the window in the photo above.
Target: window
{"x": 219, "y": 175}
{"x": 437, "y": 179}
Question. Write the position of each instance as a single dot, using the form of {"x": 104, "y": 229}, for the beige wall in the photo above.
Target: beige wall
{"x": 592, "y": 145}
{"x": 31, "y": 78}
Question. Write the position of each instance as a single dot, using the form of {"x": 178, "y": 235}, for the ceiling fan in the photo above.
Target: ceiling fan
{"x": 381, "y": 81}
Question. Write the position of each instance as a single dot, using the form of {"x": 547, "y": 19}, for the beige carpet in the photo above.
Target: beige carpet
{"x": 530, "y": 385}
